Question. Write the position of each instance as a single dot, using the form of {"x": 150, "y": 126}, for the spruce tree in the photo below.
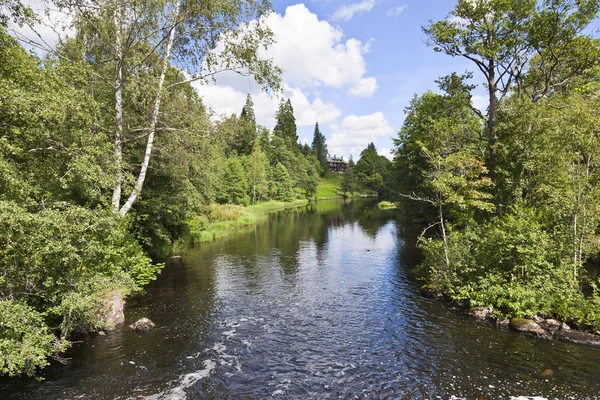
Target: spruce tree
{"x": 286, "y": 125}
{"x": 319, "y": 149}
{"x": 247, "y": 128}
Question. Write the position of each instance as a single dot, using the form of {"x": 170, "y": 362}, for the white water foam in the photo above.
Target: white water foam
{"x": 187, "y": 380}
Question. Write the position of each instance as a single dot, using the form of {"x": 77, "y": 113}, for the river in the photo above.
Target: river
{"x": 318, "y": 303}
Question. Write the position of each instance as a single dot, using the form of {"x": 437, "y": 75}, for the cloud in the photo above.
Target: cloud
{"x": 347, "y": 11}
{"x": 394, "y": 12}
{"x": 355, "y": 132}
{"x": 365, "y": 88}
{"x": 313, "y": 56}
{"x": 480, "y": 102}
{"x": 312, "y": 53}
{"x": 226, "y": 100}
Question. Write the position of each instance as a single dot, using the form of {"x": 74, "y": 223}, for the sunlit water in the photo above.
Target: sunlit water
{"x": 314, "y": 304}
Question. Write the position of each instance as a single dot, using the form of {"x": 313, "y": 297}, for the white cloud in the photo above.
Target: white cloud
{"x": 394, "y": 12}
{"x": 355, "y": 132}
{"x": 365, "y": 88}
{"x": 347, "y": 11}
{"x": 480, "y": 102}
{"x": 226, "y": 100}
{"x": 387, "y": 153}
{"x": 312, "y": 53}
{"x": 458, "y": 20}
{"x": 314, "y": 57}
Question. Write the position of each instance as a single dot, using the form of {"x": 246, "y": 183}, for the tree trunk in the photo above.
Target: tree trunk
{"x": 491, "y": 122}
{"x": 443, "y": 226}
{"x": 116, "y": 198}
{"x": 144, "y": 169}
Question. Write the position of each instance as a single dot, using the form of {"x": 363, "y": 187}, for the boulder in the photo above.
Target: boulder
{"x": 142, "y": 325}
{"x": 565, "y": 327}
{"x": 529, "y": 327}
{"x": 578, "y": 337}
{"x": 550, "y": 324}
{"x": 481, "y": 313}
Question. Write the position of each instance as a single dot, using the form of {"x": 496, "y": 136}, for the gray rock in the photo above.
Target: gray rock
{"x": 529, "y": 327}
{"x": 565, "y": 327}
{"x": 481, "y": 313}
{"x": 578, "y": 337}
{"x": 142, "y": 325}
{"x": 550, "y": 324}
{"x": 111, "y": 312}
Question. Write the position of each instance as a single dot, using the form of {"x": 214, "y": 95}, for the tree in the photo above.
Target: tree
{"x": 257, "y": 173}
{"x": 285, "y": 128}
{"x": 233, "y": 183}
{"x": 281, "y": 184}
{"x": 349, "y": 181}
{"x": 372, "y": 170}
{"x": 499, "y": 37}
{"x": 247, "y": 130}
{"x": 191, "y": 32}
{"x": 319, "y": 149}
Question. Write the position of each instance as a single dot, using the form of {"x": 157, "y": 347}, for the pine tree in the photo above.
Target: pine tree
{"x": 319, "y": 149}
{"x": 286, "y": 125}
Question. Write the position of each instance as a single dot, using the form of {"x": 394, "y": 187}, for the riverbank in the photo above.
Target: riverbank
{"x": 330, "y": 187}
{"x": 534, "y": 326}
{"x": 225, "y": 219}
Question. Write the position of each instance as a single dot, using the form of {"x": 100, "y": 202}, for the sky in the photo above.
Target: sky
{"x": 351, "y": 65}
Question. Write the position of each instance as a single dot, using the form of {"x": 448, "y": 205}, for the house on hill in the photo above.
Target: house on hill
{"x": 336, "y": 164}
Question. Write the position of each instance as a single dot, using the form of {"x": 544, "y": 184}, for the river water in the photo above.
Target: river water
{"x": 318, "y": 303}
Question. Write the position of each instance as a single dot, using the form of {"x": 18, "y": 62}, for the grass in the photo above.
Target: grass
{"x": 329, "y": 187}
{"x": 225, "y": 219}
{"x": 386, "y": 205}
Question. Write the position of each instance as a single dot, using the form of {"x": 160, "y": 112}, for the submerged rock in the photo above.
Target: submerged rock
{"x": 578, "y": 337}
{"x": 550, "y": 324}
{"x": 529, "y": 327}
{"x": 502, "y": 323}
{"x": 142, "y": 325}
{"x": 481, "y": 313}
{"x": 547, "y": 372}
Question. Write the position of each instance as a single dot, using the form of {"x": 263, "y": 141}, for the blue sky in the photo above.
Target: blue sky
{"x": 353, "y": 65}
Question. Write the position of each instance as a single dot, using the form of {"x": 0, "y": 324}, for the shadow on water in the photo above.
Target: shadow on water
{"x": 316, "y": 303}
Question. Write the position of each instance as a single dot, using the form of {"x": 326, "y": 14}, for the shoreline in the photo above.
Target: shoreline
{"x": 250, "y": 217}
{"x": 535, "y": 326}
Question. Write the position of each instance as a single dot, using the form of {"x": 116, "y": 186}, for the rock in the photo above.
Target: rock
{"x": 537, "y": 319}
{"x": 550, "y": 324}
{"x": 578, "y": 337}
{"x": 142, "y": 325}
{"x": 565, "y": 327}
{"x": 111, "y": 313}
{"x": 481, "y": 313}
{"x": 529, "y": 327}
{"x": 503, "y": 323}
{"x": 547, "y": 372}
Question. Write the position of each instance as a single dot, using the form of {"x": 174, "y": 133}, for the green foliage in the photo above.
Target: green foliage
{"x": 285, "y": 127}
{"x": 25, "y": 339}
{"x": 281, "y": 184}
{"x": 233, "y": 183}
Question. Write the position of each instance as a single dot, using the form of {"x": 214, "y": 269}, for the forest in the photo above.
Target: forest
{"x": 108, "y": 156}
{"x": 510, "y": 196}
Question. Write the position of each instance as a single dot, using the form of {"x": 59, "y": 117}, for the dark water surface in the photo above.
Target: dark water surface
{"x": 315, "y": 304}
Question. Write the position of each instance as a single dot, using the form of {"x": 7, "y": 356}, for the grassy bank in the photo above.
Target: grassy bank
{"x": 330, "y": 187}
{"x": 225, "y": 219}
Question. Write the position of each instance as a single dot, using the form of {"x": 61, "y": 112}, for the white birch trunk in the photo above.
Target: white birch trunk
{"x": 116, "y": 198}
{"x": 137, "y": 189}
